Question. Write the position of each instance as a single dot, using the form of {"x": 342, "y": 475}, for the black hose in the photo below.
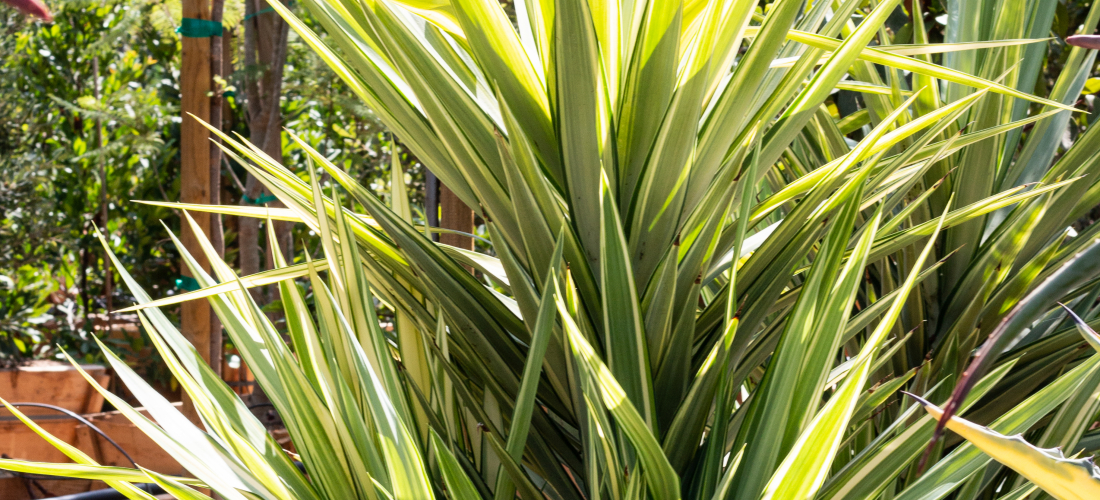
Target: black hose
{"x": 269, "y": 418}
{"x": 111, "y": 493}
{"x": 84, "y": 421}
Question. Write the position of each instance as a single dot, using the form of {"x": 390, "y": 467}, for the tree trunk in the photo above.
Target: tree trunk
{"x": 217, "y": 239}
{"x": 265, "y": 46}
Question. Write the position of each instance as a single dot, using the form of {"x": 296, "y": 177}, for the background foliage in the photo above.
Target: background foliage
{"x": 51, "y": 270}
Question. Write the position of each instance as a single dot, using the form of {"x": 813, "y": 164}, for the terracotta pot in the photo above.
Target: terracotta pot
{"x": 19, "y": 441}
{"x": 54, "y": 383}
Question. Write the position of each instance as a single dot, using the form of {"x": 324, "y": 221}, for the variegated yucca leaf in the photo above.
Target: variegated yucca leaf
{"x": 1062, "y": 478}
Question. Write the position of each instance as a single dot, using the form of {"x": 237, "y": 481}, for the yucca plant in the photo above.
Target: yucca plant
{"x": 701, "y": 284}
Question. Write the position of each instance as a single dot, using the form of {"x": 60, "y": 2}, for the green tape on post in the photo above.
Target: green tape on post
{"x": 261, "y": 200}
{"x": 254, "y": 14}
{"x": 199, "y": 28}
{"x": 265, "y": 11}
{"x": 187, "y": 283}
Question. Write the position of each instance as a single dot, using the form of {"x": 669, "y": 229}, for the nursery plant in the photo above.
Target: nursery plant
{"x": 703, "y": 281}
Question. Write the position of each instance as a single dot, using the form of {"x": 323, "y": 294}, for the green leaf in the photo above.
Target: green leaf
{"x": 175, "y": 488}
{"x": 81, "y": 471}
{"x": 662, "y": 478}
{"x": 458, "y": 484}
{"x": 525, "y": 399}
{"x": 624, "y": 332}
{"x": 807, "y": 464}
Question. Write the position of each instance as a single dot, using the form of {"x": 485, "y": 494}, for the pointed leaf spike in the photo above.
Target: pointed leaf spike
{"x": 1086, "y": 331}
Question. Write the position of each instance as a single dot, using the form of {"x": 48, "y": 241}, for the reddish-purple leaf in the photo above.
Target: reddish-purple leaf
{"x": 32, "y": 7}
{"x": 1084, "y": 41}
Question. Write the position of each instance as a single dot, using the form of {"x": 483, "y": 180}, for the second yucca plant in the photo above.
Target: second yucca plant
{"x": 701, "y": 284}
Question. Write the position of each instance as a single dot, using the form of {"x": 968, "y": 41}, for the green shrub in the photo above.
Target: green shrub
{"x": 705, "y": 283}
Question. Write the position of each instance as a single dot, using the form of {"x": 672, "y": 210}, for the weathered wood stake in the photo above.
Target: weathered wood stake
{"x": 195, "y": 87}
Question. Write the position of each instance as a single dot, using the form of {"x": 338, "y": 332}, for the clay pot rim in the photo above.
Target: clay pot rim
{"x": 38, "y": 366}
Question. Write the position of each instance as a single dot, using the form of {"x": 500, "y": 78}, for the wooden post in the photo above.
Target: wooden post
{"x": 431, "y": 201}
{"x": 195, "y": 85}
{"x": 457, "y": 216}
